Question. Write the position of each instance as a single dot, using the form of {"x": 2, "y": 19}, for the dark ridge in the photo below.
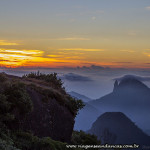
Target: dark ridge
{"x": 117, "y": 128}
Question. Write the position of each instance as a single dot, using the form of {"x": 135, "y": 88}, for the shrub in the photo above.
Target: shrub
{"x": 2, "y": 77}
{"x": 74, "y": 105}
{"x": 52, "y": 78}
{"x": 26, "y": 141}
{"x": 7, "y": 145}
{"x": 80, "y": 137}
{"x": 4, "y": 109}
{"x": 18, "y": 98}
{"x": 14, "y": 102}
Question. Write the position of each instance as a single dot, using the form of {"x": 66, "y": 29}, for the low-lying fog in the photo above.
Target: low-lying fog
{"x": 93, "y": 81}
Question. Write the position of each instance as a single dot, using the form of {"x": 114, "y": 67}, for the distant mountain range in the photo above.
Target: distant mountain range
{"x": 87, "y": 115}
{"x": 129, "y": 96}
{"x": 116, "y": 128}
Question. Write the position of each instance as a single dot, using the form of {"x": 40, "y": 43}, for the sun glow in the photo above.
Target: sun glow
{"x": 16, "y": 58}
{"x": 35, "y": 58}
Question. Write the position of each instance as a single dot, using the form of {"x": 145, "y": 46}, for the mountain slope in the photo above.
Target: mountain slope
{"x": 86, "y": 117}
{"x": 116, "y": 128}
{"x": 79, "y": 96}
{"x": 85, "y": 113}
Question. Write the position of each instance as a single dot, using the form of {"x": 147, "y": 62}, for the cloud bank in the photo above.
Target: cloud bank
{"x": 75, "y": 77}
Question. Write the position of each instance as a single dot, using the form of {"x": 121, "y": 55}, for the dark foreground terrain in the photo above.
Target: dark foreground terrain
{"x": 36, "y": 113}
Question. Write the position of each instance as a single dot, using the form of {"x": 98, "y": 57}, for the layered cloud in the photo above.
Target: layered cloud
{"x": 14, "y": 58}
{"x": 92, "y": 67}
{"x": 34, "y": 58}
{"x": 6, "y": 43}
{"x": 22, "y": 52}
{"x": 129, "y": 62}
{"x": 82, "y": 49}
{"x": 75, "y": 77}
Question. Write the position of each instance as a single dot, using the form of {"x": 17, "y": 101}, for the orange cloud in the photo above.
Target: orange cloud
{"x": 32, "y": 58}
{"x": 18, "y": 57}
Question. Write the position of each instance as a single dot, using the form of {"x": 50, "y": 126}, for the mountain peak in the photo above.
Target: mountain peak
{"x": 130, "y": 82}
{"x": 112, "y": 115}
{"x": 116, "y": 128}
{"x": 116, "y": 86}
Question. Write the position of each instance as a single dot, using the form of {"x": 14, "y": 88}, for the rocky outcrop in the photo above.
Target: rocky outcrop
{"x": 115, "y": 86}
{"x": 52, "y": 114}
{"x": 48, "y": 118}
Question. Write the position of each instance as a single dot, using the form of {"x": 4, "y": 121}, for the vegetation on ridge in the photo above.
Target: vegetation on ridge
{"x": 57, "y": 91}
{"x": 51, "y": 79}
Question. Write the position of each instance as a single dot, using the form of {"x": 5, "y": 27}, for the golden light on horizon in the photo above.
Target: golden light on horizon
{"x": 72, "y": 57}
{"x": 17, "y": 58}
{"x": 33, "y": 58}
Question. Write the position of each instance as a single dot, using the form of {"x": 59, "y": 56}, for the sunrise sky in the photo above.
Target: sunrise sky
{"x": 70, "y": 33}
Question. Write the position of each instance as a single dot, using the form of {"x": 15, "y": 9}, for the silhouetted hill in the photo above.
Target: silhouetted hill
{"x": 129, "y": 96}
{"x": 116, "y": 128}
{"x": 147, "y": 132}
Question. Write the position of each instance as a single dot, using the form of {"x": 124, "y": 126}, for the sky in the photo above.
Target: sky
{"x": 71, "y": 33}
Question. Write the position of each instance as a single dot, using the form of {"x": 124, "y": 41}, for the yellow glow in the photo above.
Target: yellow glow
{"x": 53, "y": 56}
{"x": 72, "y": 57}
{"x": 17, "y": 58}
{"x": 30, "y": 52}
{"x": 13, "y": 56}
{"x": 4, "y": 42}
